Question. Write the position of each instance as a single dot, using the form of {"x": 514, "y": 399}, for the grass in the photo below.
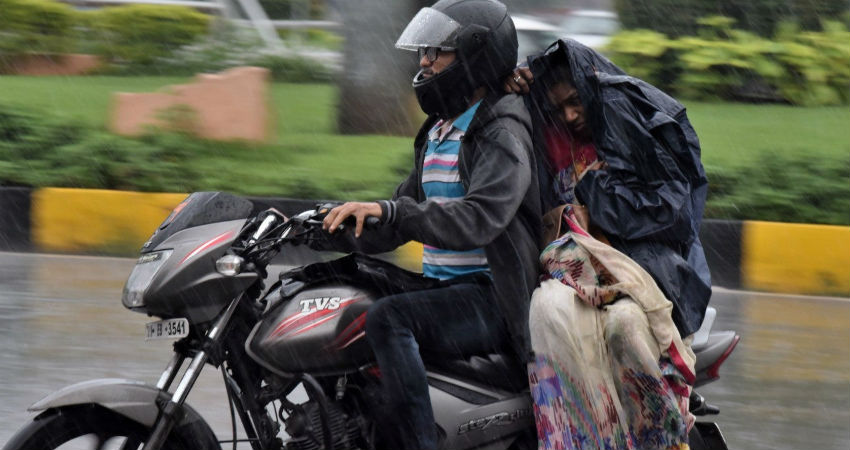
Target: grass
{"x": 84, "y": 98}
{"x": 734, "y": 133}
{"x": 307, "y": 159}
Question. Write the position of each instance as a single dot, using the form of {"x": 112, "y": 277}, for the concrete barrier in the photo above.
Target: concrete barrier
{"x": 766, "y": 256}
{"x": 231, "y": 105}
{"x": 792, "y": 257}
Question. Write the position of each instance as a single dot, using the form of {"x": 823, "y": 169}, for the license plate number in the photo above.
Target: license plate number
{"x": 167, "y": 329}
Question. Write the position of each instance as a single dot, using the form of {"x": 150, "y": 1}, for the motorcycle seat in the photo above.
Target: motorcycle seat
{"x": 493, "y": 370}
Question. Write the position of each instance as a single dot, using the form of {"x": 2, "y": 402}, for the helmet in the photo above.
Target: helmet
{"x": 483, "y": 37}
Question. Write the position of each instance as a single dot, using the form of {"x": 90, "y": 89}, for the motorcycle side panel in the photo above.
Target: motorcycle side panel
{"x": 491, "y": 426}
{"x": 319, "y": 330}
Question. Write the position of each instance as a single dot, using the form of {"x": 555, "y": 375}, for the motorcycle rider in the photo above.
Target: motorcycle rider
{"x": 472, "y": 199}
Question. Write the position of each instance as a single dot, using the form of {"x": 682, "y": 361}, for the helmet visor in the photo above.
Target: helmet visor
{"x": 429, "y": 28}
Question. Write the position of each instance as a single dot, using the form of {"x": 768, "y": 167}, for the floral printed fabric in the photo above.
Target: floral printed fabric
{"x": 611, "y": 371}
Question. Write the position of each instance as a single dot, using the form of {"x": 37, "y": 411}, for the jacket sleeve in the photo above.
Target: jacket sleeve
{"x": 499, "y": 176}
{"x": 644, "y": 192}
{"x": 380, "y": 240}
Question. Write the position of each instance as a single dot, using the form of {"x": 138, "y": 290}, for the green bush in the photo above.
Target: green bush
{"x": 721, "y": 62}
{"x": 36, "y": 26}
{"x": 227, "y": 46}
{"x": 782, "y": 188}
{"x": 680, "y": 17}
{"x": 646, "y": 54}
{"x": 43, "y": 151}
{"x": 283, "y": 9}
{"x": 293, "y": 69}
{"x": 817, "y": 65}
{"x": 669, "y": 17}
{"x": 137, "y": 35}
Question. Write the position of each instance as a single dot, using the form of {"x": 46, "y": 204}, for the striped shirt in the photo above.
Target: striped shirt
{"x": 441, "y": 183}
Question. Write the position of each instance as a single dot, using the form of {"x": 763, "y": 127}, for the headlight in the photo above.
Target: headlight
{"x": 140, "y": 278}
{"x": 229, "y": 265}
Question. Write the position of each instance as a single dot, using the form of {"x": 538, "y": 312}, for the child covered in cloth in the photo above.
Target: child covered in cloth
{"x": 611, "y": 370}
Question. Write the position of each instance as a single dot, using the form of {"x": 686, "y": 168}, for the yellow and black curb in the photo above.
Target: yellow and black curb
{"x": 765, "y": 256}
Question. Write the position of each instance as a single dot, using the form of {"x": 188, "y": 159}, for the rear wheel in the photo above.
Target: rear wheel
{"x": 706, "y": 436}
{"x": 83, "y": 427}
{"x": 526, "y": 440}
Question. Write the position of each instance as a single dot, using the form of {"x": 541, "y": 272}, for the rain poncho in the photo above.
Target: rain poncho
{"x": 650, "y": 199}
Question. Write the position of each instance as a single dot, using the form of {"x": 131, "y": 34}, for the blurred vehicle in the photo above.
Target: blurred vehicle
{"x": 533, "y": 35}
{"x": 592, "y": 28}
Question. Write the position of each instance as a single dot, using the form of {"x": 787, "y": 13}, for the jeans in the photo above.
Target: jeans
{"x": 454, "y": 321}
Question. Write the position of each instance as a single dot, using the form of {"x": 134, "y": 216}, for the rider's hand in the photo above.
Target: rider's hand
{"x": 518, "y": 81}
{"x": 360, "y": 211}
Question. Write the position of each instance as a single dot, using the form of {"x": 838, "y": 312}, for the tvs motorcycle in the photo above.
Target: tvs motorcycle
{"x": 203, "y": 273}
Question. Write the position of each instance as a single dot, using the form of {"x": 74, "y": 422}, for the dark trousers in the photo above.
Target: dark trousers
{"x": 454, "y": 321}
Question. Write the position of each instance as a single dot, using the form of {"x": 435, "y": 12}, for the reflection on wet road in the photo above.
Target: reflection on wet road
{"x": 787, "y": 386}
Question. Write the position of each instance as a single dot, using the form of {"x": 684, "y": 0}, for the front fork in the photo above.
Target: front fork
{"x": 170, "y": 412}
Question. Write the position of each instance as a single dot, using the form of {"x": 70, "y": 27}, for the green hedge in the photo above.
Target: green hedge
{"x": 782, "y": 188}
{"x": 801, "y": 68}
{"x": 137, "y": 35}
{"x": 762, "y": 17}
{"x": 38, "y": 150}
{"x": 149, "y": 40}
{"x": 36, "y": 26}
{"x": 228, "y": 46}
{"x": 283, "y": 9}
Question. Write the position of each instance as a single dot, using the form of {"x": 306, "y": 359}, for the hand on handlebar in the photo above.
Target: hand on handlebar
{"x": 360, "y": 211}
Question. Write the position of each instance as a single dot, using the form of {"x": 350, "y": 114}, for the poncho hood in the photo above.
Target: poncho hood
{"x": 649, "y": 200}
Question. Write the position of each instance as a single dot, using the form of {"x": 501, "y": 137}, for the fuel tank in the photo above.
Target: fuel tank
{"x": 320, "y": 330}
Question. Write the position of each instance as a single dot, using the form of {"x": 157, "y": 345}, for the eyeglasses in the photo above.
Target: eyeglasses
{"x": 430, "y": 52}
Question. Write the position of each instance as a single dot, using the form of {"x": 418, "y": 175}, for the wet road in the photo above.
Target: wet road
{"x": 787, "y": 386}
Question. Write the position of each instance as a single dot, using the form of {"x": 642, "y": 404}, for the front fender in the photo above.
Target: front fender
{"x": 132, "y": 399}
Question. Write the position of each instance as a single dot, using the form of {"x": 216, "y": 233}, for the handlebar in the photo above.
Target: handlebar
{"x": 262, "y": 236}
{"x": 370, "y": 223}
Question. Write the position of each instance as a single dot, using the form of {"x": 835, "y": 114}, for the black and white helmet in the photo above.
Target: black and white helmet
{"x": 480, "y": 32}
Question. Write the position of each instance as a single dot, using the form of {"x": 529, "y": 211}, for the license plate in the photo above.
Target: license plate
{"x": 167, "y": 329}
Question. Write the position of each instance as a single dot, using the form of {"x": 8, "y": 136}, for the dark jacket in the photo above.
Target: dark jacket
{"x": 649, "y": 200}
{"x": 500, "y": 212}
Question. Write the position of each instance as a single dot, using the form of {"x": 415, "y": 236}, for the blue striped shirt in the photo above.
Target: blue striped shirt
{"x": 441, "y": 183}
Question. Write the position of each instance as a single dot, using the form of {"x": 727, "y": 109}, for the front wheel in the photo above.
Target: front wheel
{"x": 83, "y": 427}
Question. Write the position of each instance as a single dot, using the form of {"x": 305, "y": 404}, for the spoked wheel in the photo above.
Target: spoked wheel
{"x": 87, "y": 427}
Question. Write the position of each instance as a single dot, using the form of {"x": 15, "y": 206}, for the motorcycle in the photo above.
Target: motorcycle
{"x": 203, "y": 274}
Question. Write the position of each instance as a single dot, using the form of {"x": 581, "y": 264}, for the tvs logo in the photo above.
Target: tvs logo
{"x": 320, "y": 304}
{"x": 314, "y": 312}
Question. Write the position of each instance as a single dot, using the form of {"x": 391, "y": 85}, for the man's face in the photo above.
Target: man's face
{"x": 432, "y": 64}
{"x": 566, "y": 106}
